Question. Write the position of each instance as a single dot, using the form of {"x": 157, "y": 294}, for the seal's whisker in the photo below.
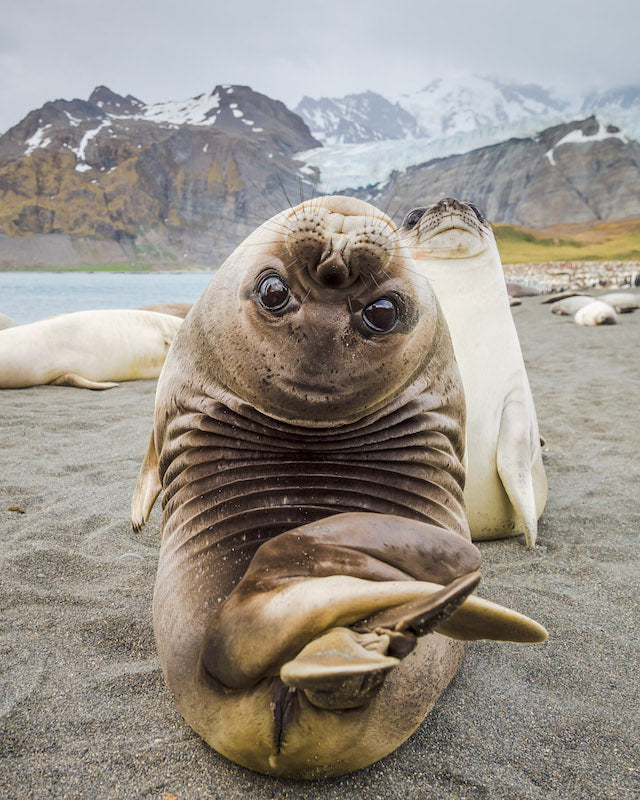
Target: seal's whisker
{"x": 286, "y": 196}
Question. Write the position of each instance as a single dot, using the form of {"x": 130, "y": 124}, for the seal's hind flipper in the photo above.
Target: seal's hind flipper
{"x": 514, "y": 463}
{"x": 341, "y": 668}
{"x": 147, "y": 489}
{"x": 72, "y": 379}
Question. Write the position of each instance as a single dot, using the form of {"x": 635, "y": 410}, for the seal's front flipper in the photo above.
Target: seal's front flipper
{"x": 481, "y": 619}
{"x": 421, "y": 616}
{"x": 514, "y": 463}
{"x": 341, "y": 668}
{"x": 147, "y": 489}
{"x": 71, "y": 379}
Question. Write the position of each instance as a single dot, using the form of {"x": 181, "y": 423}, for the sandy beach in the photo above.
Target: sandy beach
{"x": 84, "y": 711}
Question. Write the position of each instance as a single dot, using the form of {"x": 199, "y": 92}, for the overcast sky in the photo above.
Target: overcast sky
{"x": 174, "y": 49}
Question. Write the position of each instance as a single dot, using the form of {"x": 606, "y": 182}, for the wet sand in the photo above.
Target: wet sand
{"x": 83, "y": 709}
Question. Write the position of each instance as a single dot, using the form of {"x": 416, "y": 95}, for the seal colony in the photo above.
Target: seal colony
{"x": 86, "y": 349}
{"x": 315, "y": 572}
{"x": 453, "y": 245}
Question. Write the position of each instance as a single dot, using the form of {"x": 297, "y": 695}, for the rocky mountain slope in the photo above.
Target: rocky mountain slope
{"x": 112, "y": 179}
{"x": 166, "y": 182}
{"x": 575, "y": 172}
{"x": 365, "y": 117}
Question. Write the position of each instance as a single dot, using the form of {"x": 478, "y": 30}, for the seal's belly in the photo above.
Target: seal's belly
{"x": 318, "y": 743}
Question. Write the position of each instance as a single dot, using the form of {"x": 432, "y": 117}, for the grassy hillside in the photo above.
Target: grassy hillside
{"x": 595, "y": 241}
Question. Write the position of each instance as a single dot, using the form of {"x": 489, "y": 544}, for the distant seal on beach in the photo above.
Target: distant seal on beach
{"x": 569, "y": 305}
{"x": 175, "y": 309}
{"x": 520, "y": 290}
{"x": 6, "y": 322}
{"x": 309, "y": 439}
{"x": 595, "y": 313}
{"x": 86, "y": 349}
{"x": 506, "y": 489}
{"x": 622, "y": 302}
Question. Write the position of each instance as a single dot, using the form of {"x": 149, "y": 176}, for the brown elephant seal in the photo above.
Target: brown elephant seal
{"x": 309, "y": 439}
{"x": 175, "y": 309}
{"x": 453, "y": 245}
{"x": 86, "y": 349}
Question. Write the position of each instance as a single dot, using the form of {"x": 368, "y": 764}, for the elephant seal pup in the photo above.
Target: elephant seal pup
{"x": 175, "y": 309}
{"x": 6, "y": 322}
{"x": 87, "y": 349}
{"x": 506, "y": 489}
{"x": 309, "y": 439}
{"x": 595, "y": 313}
{"x": 622, "y": 302}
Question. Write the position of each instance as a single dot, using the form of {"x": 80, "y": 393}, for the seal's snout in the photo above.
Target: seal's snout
{"x": 333, "y": 270}
{"x": 333, "y": 249}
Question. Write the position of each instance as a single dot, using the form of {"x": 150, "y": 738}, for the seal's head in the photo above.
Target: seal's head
{"x": 447, "y": 229}
{"x": 318, "y": 315}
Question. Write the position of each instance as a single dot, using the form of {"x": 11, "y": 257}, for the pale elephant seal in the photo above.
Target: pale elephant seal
{"x": 622, "y": 302}
{"x": 569, "y": 305}
{"x": 309, "y": 438}
{"x": 506, "y": 490}
{"x": 87, "y": 349}
{"x": 175, "y": 309}
{"x": 595, "y": 313}
{"x": 6, "y": 322}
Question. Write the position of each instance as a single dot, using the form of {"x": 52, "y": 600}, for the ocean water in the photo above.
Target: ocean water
{"x": 29, "y": 296}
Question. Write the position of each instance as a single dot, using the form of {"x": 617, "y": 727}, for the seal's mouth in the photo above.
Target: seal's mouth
{"x": 432, "y": 228}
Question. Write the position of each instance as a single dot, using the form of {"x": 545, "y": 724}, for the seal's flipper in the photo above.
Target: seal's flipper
{"x": 481, "y": 619}
{"x": 514, "y": 462}
{"x": 341, "y": 668}
{"x": 72, "y": 379}
{"x": 147, "y": 489}
{"x": 421, "y": 616}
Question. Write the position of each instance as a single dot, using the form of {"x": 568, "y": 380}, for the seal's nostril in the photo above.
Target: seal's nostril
{"x": 333, "y": 275}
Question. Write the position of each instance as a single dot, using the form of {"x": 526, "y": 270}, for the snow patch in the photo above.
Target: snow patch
{"x": 579, "y": 137}
{"x": 37, "y": 140}
{"x": 236, "y": 113}
{"x": 196, "y": 111}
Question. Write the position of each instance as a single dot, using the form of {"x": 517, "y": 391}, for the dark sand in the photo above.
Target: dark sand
{"x": 84, "y": 712}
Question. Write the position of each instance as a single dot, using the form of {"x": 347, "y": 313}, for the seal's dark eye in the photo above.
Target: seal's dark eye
{"x": 273, "y": 293}
{"x": 413, "y": 217}
{"x": 381, "y": 315}
{"x": 477, "y": 212}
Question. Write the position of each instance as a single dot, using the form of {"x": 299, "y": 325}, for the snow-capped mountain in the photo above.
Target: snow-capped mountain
{"x": 461, "y": 103}
{"x": 364, "y": 117}
{"x": 459, "y": 113}
{"x": 178, "y": 180}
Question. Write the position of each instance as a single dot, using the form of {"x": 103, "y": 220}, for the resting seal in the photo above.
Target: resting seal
{"x": 568, "y": 306}
{"x": 6, "y": 322}
{"x": 622, "y": 302}
{"x": 175, "y": 309}
{"x": 87, "y": 349}
{"x": 506, "y": 490}
{"x": 309, "y": 439}
{"x": 595, "y": 313}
